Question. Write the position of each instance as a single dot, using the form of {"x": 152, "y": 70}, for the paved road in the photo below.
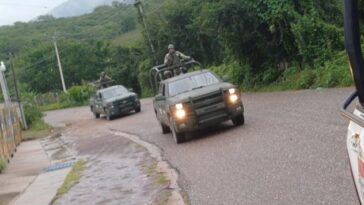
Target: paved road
{"x": 290, "y": 151}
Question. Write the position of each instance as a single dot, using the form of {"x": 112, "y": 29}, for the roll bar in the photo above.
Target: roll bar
{"x": 99, "y": 85}
{"x": 352, "y": 45}
{"x": 156, "y": 73}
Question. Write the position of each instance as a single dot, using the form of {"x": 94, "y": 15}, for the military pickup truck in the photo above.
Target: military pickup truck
{"x": 194, "y": 100}
{"x": 113, "y": 101}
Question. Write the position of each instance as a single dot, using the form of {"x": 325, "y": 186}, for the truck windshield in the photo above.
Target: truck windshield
{"x": 191, "y": 83}
{"x": 114, "y": 92}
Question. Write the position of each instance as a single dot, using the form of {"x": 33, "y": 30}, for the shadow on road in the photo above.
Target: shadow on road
{"x": 209, "y": 132}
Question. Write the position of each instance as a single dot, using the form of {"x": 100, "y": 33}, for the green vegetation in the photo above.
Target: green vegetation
{"x": 261, "y": 45}
{"x": 334, "y": 73}
{"x": 2, "y": 165}
{"x": 159, "y": 177}
{"x": 162, "y": 180}
{"x": 71, "y": 179}
{"x": 37, "y": 127}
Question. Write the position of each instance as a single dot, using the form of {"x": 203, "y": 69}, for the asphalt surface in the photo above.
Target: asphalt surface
{"x": 291, "y": 150}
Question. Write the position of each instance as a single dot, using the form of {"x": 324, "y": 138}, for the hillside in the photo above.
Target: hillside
{"x": 72, "y": 8}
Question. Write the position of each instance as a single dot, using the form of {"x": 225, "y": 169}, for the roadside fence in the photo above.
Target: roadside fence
{"x": 10, "y": 132}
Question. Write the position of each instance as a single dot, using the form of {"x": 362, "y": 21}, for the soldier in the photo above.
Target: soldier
{"x": 174, "y": 57}
{"x": 104, "y": 80}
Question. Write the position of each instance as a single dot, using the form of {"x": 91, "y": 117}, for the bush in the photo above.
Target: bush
{"x": 80, "y": 93}
{"x": 306, "y": 79}
{"x": 32, "y": 113}
{"x": 239, "y": 74}
{"x": 334, "y": 73}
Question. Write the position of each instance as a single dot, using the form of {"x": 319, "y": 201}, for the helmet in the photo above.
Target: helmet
{"x": 170, "y": 46}
{"x": 102, "y": 73}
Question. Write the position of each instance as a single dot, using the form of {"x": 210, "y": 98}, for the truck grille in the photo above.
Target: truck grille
{"x": 209, "y": 107}
{"x": 127, "y": 103}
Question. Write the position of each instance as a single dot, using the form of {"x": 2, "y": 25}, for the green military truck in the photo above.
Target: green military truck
{"x": 113, "y": 101}
{"x": 194, "y": 100}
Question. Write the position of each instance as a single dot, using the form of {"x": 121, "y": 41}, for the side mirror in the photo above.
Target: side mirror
{"x": 226, "y": 78}
{"x": 160, "y": 98}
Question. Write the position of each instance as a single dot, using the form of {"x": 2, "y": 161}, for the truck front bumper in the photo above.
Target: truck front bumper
{"x": 192, "y": 123}
{"x": 123, "y": 109}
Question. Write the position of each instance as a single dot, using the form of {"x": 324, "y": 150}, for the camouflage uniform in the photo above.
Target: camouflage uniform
{"x": 104, "y": 80}
{"x": 175, "y": 58}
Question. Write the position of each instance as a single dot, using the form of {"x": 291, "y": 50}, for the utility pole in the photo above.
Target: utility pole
{"x": 59, "y": 64}
{"x": 138, "y": 4}
{"x": 21, "y": 108}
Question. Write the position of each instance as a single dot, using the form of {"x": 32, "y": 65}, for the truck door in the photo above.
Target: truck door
{"x": 160, "y": 102}
{"x": 98, "y": 102}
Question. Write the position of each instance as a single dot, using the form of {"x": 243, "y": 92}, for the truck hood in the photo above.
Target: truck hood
{"x": 119, "y": 97}
{"x": 183, "y": 97}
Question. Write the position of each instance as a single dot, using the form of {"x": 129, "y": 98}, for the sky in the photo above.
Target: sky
{"x": 21, "y": 10}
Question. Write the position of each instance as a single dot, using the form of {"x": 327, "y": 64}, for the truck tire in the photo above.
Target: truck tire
{"x": 137, "y": 109}
{"x": 108, "y": 116}
{"x": 96, "y": 115}
{"x": 165, "y": 129}
{"x": 178, "y": 137}
{"x": 238, "y": 120}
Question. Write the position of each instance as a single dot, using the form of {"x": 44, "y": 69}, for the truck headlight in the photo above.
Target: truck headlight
{"x": 179, "y": 106}
{"x": 233, "y": 95}
{"x": 180, "y": 112}
{"x": 233, "y": 98}
{"x": 232, "y": 91}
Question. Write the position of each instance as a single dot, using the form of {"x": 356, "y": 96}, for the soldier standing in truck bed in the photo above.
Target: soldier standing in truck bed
{"x": 174, "y": 57}
{"x": 104, "y": 80}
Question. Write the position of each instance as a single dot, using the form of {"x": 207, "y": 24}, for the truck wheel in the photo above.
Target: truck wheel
{"x": 178, "y": 137}
{"x": 238, "y": 120}
{"x": 108, "y": 115}
{"x": 165, "y": 129}
{"x": 137, "y": 109}
{"x": 96, "y": 115}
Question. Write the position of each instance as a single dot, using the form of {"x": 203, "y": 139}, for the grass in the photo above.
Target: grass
{"x": 2, "y": 165}
{"x": 57, "y": 106}
{"x": 157, "y": 176}
{"x": 162, "y": 179}
{"x": 71, "y": 179}
{"x": 38, "y": 129}
{"x": 152, "y": 169}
